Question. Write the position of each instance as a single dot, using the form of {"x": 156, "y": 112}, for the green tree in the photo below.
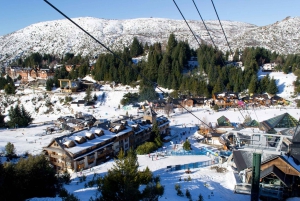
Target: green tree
{"x": 272, "y": 87}
{"x": 200, "y": 198}
{"x": 172, "y": 43}
{"x": 31, "y": 177}
{"x": 122, "y": 180}
{"x": 83, "y": 70}
{"x": 253, "y": 85}
{"x": 95, "y": 98}
{"x": 2, "y": 123}
{"x": 147, "y": 93}
{"x": 19, "y": 117}
{"x": 88, "y": 94}
{"x": 49, "y": 84}
{"x": 10, "y": 150}
{"x": 187, "y": 145}
{"x": 298, "y": 104}
{"x": 146, "y": 148}
{"x": 136, "y": 48}
{"x": 10, "y": 88}
{"x": 286, "y": 69}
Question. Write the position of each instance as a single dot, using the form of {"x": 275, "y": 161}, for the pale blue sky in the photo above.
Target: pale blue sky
{"x": 17, "y": 14}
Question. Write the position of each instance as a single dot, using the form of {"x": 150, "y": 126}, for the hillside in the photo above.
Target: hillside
{"x": 61, "y": 36}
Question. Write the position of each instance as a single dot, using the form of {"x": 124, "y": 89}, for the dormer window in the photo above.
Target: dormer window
{"x": 99, "y": 132}
{"x": 80, "y": 139}
{"x": 89, "y": 135}
{"x": 69, "y": 144}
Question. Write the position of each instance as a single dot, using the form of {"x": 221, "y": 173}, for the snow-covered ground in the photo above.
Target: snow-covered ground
{"x": 204, "y": 180}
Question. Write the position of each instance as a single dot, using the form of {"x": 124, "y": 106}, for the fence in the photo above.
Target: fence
{"x": 190, "y": 165}
{"x": 203, "y": 151}
{"x": 242, "y": 188}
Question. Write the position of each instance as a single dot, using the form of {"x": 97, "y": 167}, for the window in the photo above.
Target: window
{"x": 100, "y": 152}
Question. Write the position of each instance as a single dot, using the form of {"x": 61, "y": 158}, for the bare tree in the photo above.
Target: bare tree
{"x": 168, "y": 108}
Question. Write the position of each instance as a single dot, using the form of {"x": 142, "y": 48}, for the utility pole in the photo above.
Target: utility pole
{"x": 255, "y": 177}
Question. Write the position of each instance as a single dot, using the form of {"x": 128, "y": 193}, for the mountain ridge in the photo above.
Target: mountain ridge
{"x": 61, "y": 36}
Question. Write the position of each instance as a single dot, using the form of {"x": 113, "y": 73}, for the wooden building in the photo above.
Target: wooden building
{"x": 278, "y": 173}
{"x": 226, "y": 99}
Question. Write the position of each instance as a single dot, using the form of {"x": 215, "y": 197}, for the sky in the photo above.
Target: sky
{"x": 18, "y": 14}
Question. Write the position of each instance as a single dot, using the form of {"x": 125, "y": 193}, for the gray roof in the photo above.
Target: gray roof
{"x": 244, "y": 159}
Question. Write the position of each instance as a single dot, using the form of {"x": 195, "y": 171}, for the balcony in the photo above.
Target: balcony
{"x": 56, "y": 156}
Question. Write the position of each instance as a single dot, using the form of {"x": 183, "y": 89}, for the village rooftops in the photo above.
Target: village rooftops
{"x": 87, "y": 143}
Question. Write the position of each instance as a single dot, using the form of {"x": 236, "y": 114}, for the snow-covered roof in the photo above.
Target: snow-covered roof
{"x": 89, "y": 143}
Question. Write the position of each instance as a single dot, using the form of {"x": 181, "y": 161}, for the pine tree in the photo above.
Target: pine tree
{"x": 272, "y": 87}
{"x": 122, "y": 180}
{"x": 147, "y": 93}
{"x": 10, "y": 150}
{"x": 136, "y": 48}
{"x": 88, "y": 94}
{"x": 1, "y": 120}
{"x": 187, "y": 145}
{"x": 253, "y": 85}
{"x": 200, "y": 198}
{"x": 19, "y": 117}
{"x": 172, "y": 43}
{"x": 95, "y": 98}
{"x": 10, "y": 88}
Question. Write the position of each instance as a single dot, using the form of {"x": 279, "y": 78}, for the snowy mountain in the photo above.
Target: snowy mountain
{"x": 61, "y": 36}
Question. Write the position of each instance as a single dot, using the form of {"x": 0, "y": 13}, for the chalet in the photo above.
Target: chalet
{"x": 45, "y": 73}
{"x": 28, "y": 74}
{"x": 268, "y": 67}
{"x": 159, "y": 105}
{"x": 84, "y": 149}
{"x": 89, "y": 147}
{"x": 278, "y": 174}
{"x": 226, "y": 99}
{"x": 69, "y": 85}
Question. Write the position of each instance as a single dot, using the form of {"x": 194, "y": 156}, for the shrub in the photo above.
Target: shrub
{"x": 65, "y": 178}
{"x": 146, "y": 148}
{"x": 216, "y": 107}
{"x": 187, "y": 193}
{"x": 10, "y": 150}
{"x": 91, "y": 183}
{"x": 187, "y": 145}
{"x": 200, "y": 198}
{"x": 63, "y": 193}
{"x": 177, "y": 188}
{"x": 68, "y": 99}
{"x": 82, "y": 179}
{"x": 70, "y": 197}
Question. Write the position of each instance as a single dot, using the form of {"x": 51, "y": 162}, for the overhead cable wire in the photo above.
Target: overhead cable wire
{"x": 205, "y": 25}
{"x": 197, "y": 41}
{"x": 191, "y": 30}
{"x": 221, "y": 27}
{"x": 115, "y": 55}
{"x": 207, "y": 31}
